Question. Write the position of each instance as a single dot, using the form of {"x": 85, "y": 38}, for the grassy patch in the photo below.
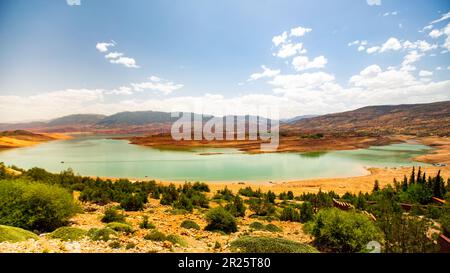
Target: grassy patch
{"x": 261, "y": 226}
{"x": 120, "y": 227}
{"x": 101, "y": 234}
{"x": 155, "y": 235}
{"x": 14, "y": 234}
{"x": 248, "y": 244}
{"x": 68, "y": 233}
{"x": 189, "y": 224}
{"x": 175, "y": 239}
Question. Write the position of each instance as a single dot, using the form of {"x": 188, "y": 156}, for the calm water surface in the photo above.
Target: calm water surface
{"x": 97, "y": 156}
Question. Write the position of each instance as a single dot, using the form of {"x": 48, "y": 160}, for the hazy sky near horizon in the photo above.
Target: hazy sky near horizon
{"x": 61, "y": 57}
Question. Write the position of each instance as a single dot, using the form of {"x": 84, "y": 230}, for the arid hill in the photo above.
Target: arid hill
{"x": 416, "y": 119}
{"x": 22, "y": 138}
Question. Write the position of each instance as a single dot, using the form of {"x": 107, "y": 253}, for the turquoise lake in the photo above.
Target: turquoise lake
{"x": 97, "y": 156}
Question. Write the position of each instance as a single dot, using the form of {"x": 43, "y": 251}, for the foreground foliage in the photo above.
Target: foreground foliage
{"x": 14, "y": 234}
{"x": 249, "y": 244}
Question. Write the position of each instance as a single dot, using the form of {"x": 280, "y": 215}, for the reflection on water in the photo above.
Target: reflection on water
{"x": 97, "y": 156}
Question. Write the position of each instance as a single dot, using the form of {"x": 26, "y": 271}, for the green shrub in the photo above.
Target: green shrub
{"x": 101, "y": 234}
{"x": 257, "y": 226}
{"x": 261, "y": 207}
{"x": 343, "y": 231}
{"x": 249, "y": 244}
{"x": 189, "y": 224}
{"x": 306, "y": 212}
{"x": 68, "y": 233}
{"x": 217, "y": 245}
{"x": 133, "y": 202}
{"x": 112, "y": 215}
{"x": 221, "y": 220}
{"x": 120, "y": 227}
{"x": 155, "y": 236}
{"x": 445, "y": 222}
{"x": 273, "y": 228}
{"x": 290, "y": 214}
{"x": 145, "y": 224}
{"x": 236, "y": 207}
{"x": 175, "y": 239}
{"x": 35, "y": 206}
{"x": 130, "y": 245}
{"x": 183, "y": 203}
{"x": 114, "y": 244}
{"x": 14, "y": 234}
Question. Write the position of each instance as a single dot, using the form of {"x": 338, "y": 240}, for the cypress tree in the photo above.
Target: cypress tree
{"x": 405, "y": 184}
{"x": 412, "y": 179}
{"x": 419, "y": 176}
{"x": 376, "y": 186}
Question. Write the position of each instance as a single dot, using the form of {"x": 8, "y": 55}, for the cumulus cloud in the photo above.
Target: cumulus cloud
{"x": 299, "y": 31}
{"x": 116, "y": 57}
{"x": 280, "y": 39}
{"x": 391, "y": 44}
{"x": 288, "y": 50}
{"x": 73, "y": 2}
{"x": 435, "y": 33}
{"x": 372, "y": 49}
{"x": 374, "y": 2}
{"x": 301, "y": 63}
{"x": 103, "y": 47}
{"x": 157, "y": 84}
{"x": 267, "y": 73}
{"x": 425, "y": 73}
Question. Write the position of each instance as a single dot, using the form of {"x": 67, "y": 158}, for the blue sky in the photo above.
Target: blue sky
{"x": 168, "y": 55}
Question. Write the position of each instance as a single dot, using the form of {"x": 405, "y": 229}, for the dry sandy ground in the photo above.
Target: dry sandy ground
{"x": 19, "y": 142}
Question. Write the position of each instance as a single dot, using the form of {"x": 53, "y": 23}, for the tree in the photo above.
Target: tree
{"x": 236, "y": 207}
{"x": 376, "y": 186}
{"x": 221, "y": 220}
{"x": 306, "y": 212}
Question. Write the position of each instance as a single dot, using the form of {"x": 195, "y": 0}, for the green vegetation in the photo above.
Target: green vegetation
{"x": 290, "y": 214}
{"x": 176, "y": 240}
{"x": 145, "y": 224}
{"x": 342, "y": 231}
{"x": 220, "y": 219}
{"x": 269, "y": 227}
{"x": 34, "y": 206}
{"x": 189, "y": 224}
{"x": 261, "y": 206}
{"x": 101, "y": 234}
{"x": 112, "y": 215}
{"x": 248, "y": 244}
{"x": 312, "y": 136}
{"x": 68, "y": 233}
{"x": 236, "y": 207}
{"x": 155, "y": 236}
{"x": 120, "y": 227}
{"x": 14, "y": 234}
{"x": 306, "y": 212}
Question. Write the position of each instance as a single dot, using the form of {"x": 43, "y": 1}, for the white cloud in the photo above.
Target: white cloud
{"x": 372, "y": 49}
{"x": 126, "y": 61}
{"x": 361, "y": 48}
{"x": 280, "y": 39}
{"x": 113, "y": 55}
{"x": 425, "y": 73}
{"x": 422, "y": 45}
{"x": 356, "y": 42}
{"x": 443, "y": 18}
{"x": 157, "y": 84}
{"x": 309, "y": 80}
{"x": 73, "y": 2}
{"x": 393, "y": 13}
{"x": 374, "y": 2}
{"x": 447, "y": 40}
{"x": 391, "y": 44}
{"x": 301, "y": 63}
{"x": 299, "y": 31}
{"x": 267, "y": 73}
{"x": 411, "y": 58}
{"x": 288, "y": 50}
{"x": 103, "y": 47}
{"x": 435, "y": 33}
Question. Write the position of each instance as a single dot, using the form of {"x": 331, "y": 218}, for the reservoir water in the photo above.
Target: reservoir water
{"x": 97, "y": 156}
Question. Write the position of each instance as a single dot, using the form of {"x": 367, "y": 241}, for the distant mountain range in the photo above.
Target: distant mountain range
{"x": 417, "y": 119}
{"x": 430, "y": 118}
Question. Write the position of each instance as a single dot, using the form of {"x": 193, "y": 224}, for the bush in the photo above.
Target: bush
{"x": 290, "y": 214}
{"x": 115, "y": 244}
{"x": 257, "y": 226}
{"x": 261, "y": 207}
{"x": 249, "y": 244}
{"x": 68, "y": 233}
{"x": 155, "y": 236}
{"x": 221, "y": 220}
{"x": 35, "y": 206}
{"x": 175, "y": 239}
{"x": 236, "y": 207}
{"x": 342, "y": 231}
{"x": 101, "y": 234}
{"x": 14, "y": 234}
{"x": 120, "y": 227}
{"x": 145, "y": 224}
{"x": 112, "y": 215}
{"x": 273, "y": 228}
{"x": 133, "y": 202}
{"x": 306, "y": 212}
{"x": 445, "y": 222}
{"x": 183, "y": 203}
{"x": 189, "y": 224}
